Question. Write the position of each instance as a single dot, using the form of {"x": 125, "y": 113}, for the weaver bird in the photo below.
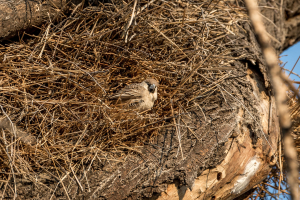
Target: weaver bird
{"x": 139, "y": 96}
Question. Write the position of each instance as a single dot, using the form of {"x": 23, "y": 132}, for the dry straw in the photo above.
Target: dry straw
{"x": 55, "y": 86}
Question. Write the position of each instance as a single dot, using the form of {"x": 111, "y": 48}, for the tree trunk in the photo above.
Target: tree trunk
{"x": 17, "y": 16}
{"x": 239, "y": 137}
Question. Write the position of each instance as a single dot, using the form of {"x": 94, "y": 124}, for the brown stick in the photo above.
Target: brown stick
{"x": 280, "y": 95}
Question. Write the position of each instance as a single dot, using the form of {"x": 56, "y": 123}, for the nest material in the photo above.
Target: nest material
{"x": 295, "y": 116}
{"x": 55, "y": 86}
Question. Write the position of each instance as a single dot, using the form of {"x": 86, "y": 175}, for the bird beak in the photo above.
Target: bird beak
{"x": 152, "y": 88}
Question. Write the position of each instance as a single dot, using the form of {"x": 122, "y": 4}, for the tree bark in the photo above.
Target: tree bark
{"x": 291, "y": 23}
{"x": 16, "y": 16}
{"x": 238, "y": 141}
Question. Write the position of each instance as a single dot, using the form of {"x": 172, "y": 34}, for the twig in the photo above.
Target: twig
{"x": 76, "y": 178}
{"x": 11, "y": 164}
{"x": 7, "y": 182}
{"x": 11, "y": 123}
{"x": 291, "y": 72}
{"x": 45, "y": 41}
{"x": 280, "y": 164}
{"x": 61, "y": 181}
{"x": 280, "y": 95}
{"x": 294, "y": 66}
{"x": 177, "y": 130}
{"x": 145, "y": 6}
{"x": 125, "y": 33}
{"x": 173, "y": 43}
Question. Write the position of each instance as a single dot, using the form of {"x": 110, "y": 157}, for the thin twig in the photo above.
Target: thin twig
{"x": 10, "y": 163}
{"x": 294, "y": 66}
{"x": 291, "y": 72}
{"x": 125, "y": 33}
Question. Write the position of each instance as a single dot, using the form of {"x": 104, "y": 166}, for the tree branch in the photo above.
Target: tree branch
{"x": 280, "y": 88}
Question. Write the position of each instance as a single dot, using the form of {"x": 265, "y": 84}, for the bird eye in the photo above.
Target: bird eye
{"x": 152, "y": 88}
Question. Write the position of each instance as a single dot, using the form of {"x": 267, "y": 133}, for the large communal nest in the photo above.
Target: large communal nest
{"x": 55, "y": 85}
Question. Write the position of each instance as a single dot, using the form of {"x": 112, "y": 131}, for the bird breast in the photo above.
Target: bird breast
{"x": 155, "y": 95}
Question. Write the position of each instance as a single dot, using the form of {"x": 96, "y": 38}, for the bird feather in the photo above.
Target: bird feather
{"x": 132, "y": 91}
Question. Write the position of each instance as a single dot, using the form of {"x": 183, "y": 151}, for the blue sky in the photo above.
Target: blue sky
{"x": 291, "y": 57}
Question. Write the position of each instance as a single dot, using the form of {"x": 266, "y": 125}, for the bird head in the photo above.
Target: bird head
{"x": 152, "y": 84}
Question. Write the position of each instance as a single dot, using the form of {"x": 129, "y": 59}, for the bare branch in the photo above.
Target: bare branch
{"x": 280, "y": 95}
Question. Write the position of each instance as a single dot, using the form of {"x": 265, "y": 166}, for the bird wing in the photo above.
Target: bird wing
{"x": 135, "y": 103}
{"x": 132, "y": 91}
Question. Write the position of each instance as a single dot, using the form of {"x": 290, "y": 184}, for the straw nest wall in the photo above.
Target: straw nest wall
{"x": 55, "y": 86}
